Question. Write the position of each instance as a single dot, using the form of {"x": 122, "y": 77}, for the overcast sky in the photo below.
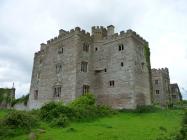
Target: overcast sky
{"x": 24, "y": 24}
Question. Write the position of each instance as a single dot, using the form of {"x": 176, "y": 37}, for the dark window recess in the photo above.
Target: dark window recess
{"x": 58, "y": 68}
{"x": 60, "y": 50}
{"x": 84, "y": 66}
{"x": 40, "y": 61}
{"x": 38, "y": 75}
{"x": 174, "y": 96}
{"x": 157, "y": 92}
{"x": 142, "y": 65}
{"x": 95, "y": 49}
{"x": 85, "y": 89}
{"x": 121, "y": 47}
{"x": 156, "y": 82}
{"x": 105, "y": 70}
{"x": 36, "y": 95}
{"x": 85, "y": 47}
{"x": 122, "y": 64}
{"x": 111, "y": 83}
{"x": 57, "y": 91}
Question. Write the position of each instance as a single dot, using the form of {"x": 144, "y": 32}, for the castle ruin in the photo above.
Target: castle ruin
{"x": 112, "y": 66}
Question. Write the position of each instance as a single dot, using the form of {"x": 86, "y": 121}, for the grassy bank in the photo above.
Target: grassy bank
{"x": 123, "y": 126}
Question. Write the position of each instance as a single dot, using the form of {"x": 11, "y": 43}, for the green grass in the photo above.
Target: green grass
{"x": 3, "y": 112}
{"x": 124, "y": 126}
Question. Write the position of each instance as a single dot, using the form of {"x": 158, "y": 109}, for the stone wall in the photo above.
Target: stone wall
{"x": 161, "y": 86}
{"x": 175, "y": 93}
{"x": 112, "y": 57}
{"x": 21, "y": 106}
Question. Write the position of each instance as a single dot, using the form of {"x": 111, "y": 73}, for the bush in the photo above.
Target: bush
{"x": 16, "y": 123}
{"x": 53, "y": 110}
{"x": 145, "y": 109}
{"x": 61, "y": 121}
{"x": 85, "y": 100}
{"x": 19, "y": 119}
{"x": 24, "y": 99}
{"x": 103, "y": 110}
{"x": 81, "y": 109}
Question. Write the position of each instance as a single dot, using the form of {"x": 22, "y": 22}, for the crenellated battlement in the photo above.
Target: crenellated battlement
{"x": 128, "y": 33}
{"x": 160, "y": 71}
{"x": 132, "y": 33}
{"x": 65, "y": 34}
{"x": 99, "y": 32}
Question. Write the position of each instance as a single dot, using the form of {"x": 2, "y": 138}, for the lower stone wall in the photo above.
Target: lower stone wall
{"x": 20, "y": 106}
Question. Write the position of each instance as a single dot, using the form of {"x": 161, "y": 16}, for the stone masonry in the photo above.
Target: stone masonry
{"x": 110, "y": 65}
{"x": 175, "y": 93}
{"x": 161, "y": 86}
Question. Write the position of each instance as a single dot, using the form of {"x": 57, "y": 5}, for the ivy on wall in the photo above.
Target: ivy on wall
{"x": 148, "y": 61}
{"x": 5, "y": 95}
{"x": 24, "y": 99}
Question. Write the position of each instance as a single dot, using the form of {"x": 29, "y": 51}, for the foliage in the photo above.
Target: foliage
{"x": 19, "y": 119}
{"x": 24, "y": 99}
{"x": 147, "y": 57}
{"x": 5, "y": 95}
{"x": 53, "y": 110}
{"x": 182, "y": 135}
{"x": 145, "y": 109}
{"x": 142, "y": 109}
{"x": 81, "y": 109}
{"x": 16, "y": 123}
{"x": 61, "y": 121}
{"x": 86, "y": 109}
{"x": 123, "y": 126}
{"x": 85, "y": 100}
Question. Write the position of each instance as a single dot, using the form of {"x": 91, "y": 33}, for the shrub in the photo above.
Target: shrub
{"x": 103, "y": 110}
{"x": 145, "y": 109}
{"x": 16, "y": 123}
{"x": 81, "y": 109}
{"x": 24, "y": 99}
{"x": 19, "y": 119}
{"x": 45, "y": 111}
{"x": 61, "y": 121}
{"x": 54, "y": 110}
{"x": 85, "y": 100}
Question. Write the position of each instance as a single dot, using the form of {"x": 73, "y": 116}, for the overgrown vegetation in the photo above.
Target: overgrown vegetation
{"x": 24, "y": 99}
{"x": 182, "y": 135}
{"x": 147, "y": 57}
{"x": 56, "y": 115}
{"x": 16, "y": 123}
{"x": 142, "y": 109}
{"x": 5, "y": 95}
{"x": 81, "y": 109}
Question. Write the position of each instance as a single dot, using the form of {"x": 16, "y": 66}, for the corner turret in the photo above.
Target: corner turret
{"x": 98, "y": 33}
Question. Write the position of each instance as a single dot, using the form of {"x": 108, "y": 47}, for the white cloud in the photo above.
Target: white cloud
{"x": 24, "y": 24}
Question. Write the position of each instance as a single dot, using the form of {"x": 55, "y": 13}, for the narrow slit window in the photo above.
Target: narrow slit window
{"x": 85, "y": 89}
{"x": 157, "y": 92}
{"x": 36, "y": 95}
{"x": 57, "y": 92}
{"x": 84, "y": 66}
{"x": 111, "y": 83}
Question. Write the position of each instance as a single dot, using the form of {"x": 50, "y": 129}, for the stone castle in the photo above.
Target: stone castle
{"x": 164, "y": 93}
{"x": 115, "y": 67}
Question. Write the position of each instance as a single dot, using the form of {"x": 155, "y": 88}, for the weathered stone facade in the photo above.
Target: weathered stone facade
{"x": 161, "y": 86}
{"x": 175, "y": 93}
{"x": 112, "y": 66}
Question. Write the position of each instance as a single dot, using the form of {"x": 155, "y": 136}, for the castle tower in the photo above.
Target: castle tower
{"x": 161, "y": 86}
{"x": 98, "y": 33}
{"x": 110, "y": 30}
